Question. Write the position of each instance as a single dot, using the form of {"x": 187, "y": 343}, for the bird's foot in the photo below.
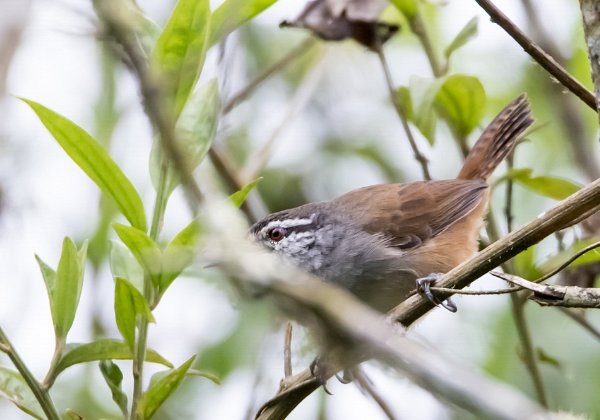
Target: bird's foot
{"x": 424, "y": 286}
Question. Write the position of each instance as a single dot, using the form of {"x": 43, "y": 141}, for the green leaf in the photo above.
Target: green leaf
{"x": 179, "y": 254}
{"x": 461, "y": 102}
{"x": 91, "y": 157}
{"x": 67, "y": 287}
{"x": 465, "y": 35}
{"x": 548, "y": 186}
{"x": 161, "y": 387}
{"x": 560, "y": 258}
{"x": 123, "y": 264}
{"x": 195, "y": 129}
{"x": 49, "y": 276}
{"x": 238, "y": 197}
{"x": 405, "y": 101}
{"x": 129, "y": 304}
{"x": 208, "y": 375}
{"x": 180, "y": 50}
{"x": 423, "y": 92}
{"x": 114, "y": 377}
{"x": 407, "y": 7}
{"x": 143, "y": 248}
{"x": 231, "y": 14}
{"x": 14, "y": 388}
{"x": 105, "y": 349}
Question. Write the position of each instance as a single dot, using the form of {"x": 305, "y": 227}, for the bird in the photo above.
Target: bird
{"x": 381, "y": 242}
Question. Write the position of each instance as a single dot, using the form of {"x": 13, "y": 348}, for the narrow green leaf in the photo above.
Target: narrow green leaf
{"x": 467, "y": 33}
{"x": 548, "y": 186}
{"x": 231, "y": 14}
{"x": 49, "y": 276}
{"x": 160, "y": 389}
{"x": 195, "y": 129}
{"x": 179, "y": 254}
{"x": 407, "y": 7}
{"x": 129, "y": 304}
{"x": 14, "y": 388}
{"x": 460, "y": 100}
{"x": 143, "y": 248}
{"x": 123, "y": 264}
{"x": 67, "y": 288}
{"x": 91, "y": 157}
{"x": 423, "y": 92}
{"x": 203, "y": 374}
{"x": 238, "y": 197}
{"x": 114, "y": 377}
{"x": 180, "y": 50}
{"x": 560, "y": 258}
{"x": 105, "y": 349}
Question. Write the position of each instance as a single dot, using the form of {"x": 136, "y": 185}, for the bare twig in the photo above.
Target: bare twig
{"x": 475, "y": 292}
{"x": 279, "y": 65}
{"x": 421, "y": 159}
{"x": 287, "y": 351}
{"x": 581, "y": 320}
{"x": 539, "y": 55}
{"x": 365, "y": 384}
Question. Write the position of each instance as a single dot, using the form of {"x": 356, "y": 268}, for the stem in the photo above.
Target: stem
{"x": 58, "y": 352}
{"x": 41, "y": 395}
{"x": 139, "y": 354}
{"x": 417, "y": 26}
{"x": 402, "y": 114}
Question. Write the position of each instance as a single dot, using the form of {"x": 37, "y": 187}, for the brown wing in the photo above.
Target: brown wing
{"x": 416, "y": 212}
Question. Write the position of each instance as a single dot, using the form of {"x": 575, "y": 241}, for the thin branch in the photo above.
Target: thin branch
{"x": 287, "y": 351}
{"x": 421, "y": 159}
{"x": 581, "y": 320}
{"x": 365, "y": 384}
{"x": 476, "y": 292}
{"x": 417, "y": 26}
{"x": 568, "y": 262}
{"x": 539, "y": 55}
{"x": 279, "y": 65}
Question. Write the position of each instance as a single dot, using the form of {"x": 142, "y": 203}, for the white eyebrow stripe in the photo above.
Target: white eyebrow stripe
{"x": 290, "y": 223}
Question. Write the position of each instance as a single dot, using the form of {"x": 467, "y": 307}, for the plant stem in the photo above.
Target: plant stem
{"x": 58, "y": 352}
{"x": 40, "y": 394}
{"x": 417, "y": 26}
{"x": 139, "y": 354}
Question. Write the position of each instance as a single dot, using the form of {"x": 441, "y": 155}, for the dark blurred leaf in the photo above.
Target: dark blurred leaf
{"x": 180, "y": 50}
{"x": 281, "y": 189}
{"x": 465, "y": 35}
{"x": 408, "y": 8}
{"x": 143, "y": 248}
{"x": 93, "y": 159}
{"x": 331, "y": 21}
{"x": 525, "y": 265}
{"x": 461, "y": 102}
{"x": 162, "y": 385}
{"x": 560, "y": 258}
{"x": 547, "y": 359}
{"x": 114, "y": 377}
{"x": 231, "y": 14}
{"x": 179, "y": 254}
{"x": 129, "y": 304}
{"x": 548, "y": 186}
{"x": 195, "y": 130}
{"x": 14, "y": 388}
{"x": 105, "y": 349}
{"x": 238, "y": 197}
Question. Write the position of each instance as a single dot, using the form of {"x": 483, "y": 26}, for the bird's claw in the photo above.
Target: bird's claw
{"x": 316, "y": 370}
{"x": 424, "y": 286}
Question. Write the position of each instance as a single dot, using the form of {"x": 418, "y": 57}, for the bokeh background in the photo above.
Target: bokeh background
{"x": 322, "y": 126}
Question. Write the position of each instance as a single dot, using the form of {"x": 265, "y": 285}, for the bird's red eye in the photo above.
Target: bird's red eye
{"x": 277, "y": 234}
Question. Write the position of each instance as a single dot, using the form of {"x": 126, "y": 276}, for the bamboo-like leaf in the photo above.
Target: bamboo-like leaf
{"x": 143, "y": 248}
{"x": 548, "y": 186}
{"x": 14, "y": 388}
{"x": 49, "y": 276}
{"x": 238, "y": 197}
{"x": 129, "y": 304}
{"x": 105, "y": 349}
{"x": 179, "y": 253}
{"x": 162, "y": 385}
{"x": 123, "y": 264}
{"x": 590, "y": 257}
{"x": 67, "y": 287}
{"x": 467, "y": 33}
{"x": 203, "y": 374}
{"x": 180, "y": 50}
{"x": 91, "y": 157}
{"x": 231, "y": 14}
{"x": 114, "y": 377}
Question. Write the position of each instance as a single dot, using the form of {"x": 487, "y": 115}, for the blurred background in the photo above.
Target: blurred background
{"x": 317, "y": 128}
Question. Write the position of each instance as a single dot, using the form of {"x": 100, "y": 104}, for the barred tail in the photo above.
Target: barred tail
{"x": 498, "y": 140}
